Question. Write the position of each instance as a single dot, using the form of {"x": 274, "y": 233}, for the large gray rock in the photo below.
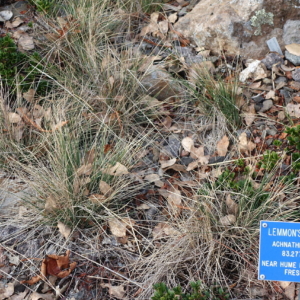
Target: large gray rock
{"x": 241, "y": 26}
{"x": 160, "y": 84}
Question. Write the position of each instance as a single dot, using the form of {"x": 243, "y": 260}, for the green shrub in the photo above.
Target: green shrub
{"x": 16, "y": 65}
{"x": 162, "y": 292}
{"x": 269, "y": 160}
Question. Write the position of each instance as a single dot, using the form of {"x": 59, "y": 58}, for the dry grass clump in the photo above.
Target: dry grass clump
{"x": 208, "y": 245}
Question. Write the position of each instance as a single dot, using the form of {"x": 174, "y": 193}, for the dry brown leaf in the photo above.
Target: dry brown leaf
{"x": 105, "y": 188}
{"x": 232, "y": 207}
{"x": 118, "y": 226}
{"x": 56, "y": 265}
{"x": 255, "y": 85}
{"x": 222, "y": 146}
{"x": 89, "y": 157}
{"x": 64, "y": 229}
{"x": 167, "y": 122}
{"x": 14, "y": 118}
{"x": 177, "y": 167}
{"x": 79, "y": 183}
{"x": 193, "y": 165}
{"x": 163, "y": 26}
{"x": 50, "y": 204}
{"x": 293, "y": 49}
{"x": 9, "y": 290}
{"x": 18, "y": 131}
{"x": 172, "y": 18}
{"x": 293, "y": 110}
{"x": 20, "y": 296}
{"x": 38, "y": 112}
{"x": 152, "y": 27}
{"x": 84, "y": 170}
{"x": 117, "y": 170}
{"x": 143, "y": 206}
{"x": 187, "y": 143}
{"x": 116, "y": 291}
{"x": 38, "y": 296}
{"x": 29, "y": 95}
{"x": 270, "y": 95}
{"x": 13, "y": 24}
{"x": 163, "y": 229}
{"x": 37, "y": 278}
{"x": 197, "y": 153}
{"x": 174, "y": 199}
{"x": 167, "y": 163}
{"x": 244, "y": 145}
{"x": 228, "y": 220}
{"x": 154, "y": 178}
{"x": 25, "y": 42}
{"x": 250, "y": 115}
{"x": 97, "y": 198}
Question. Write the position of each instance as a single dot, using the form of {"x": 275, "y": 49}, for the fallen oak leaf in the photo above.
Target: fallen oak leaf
{"x": 37, "y": 296}
{"x": 64, "y": 229}
{"x": 117, "y": 170}
{"x": 116, "y": 291}
{"x": 84, "y": 170}
{"x": 244, "y": 145}
{"x": 197, "y": 153}
{"x": 14, "y": 118}
{"x": 167, "y": 163}
{"x": 105, "y": 188}
{"x": 37, "y": 278}
{"x": 57, "y": 263}
{"x": 54, "y": 265}
{"x": 187, "y": 143}
{"x": 222, "y": 146}
{"x": 118, "y": 227}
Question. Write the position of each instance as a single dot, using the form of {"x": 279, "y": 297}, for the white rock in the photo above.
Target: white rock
{"x": 5, "y": 15}
{"x": 256, "y": 70}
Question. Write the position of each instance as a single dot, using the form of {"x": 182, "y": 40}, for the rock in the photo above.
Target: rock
{"x": 271, "y": 59}
{"x": 271, "y": 131}
{"x": 286, "y": 95}
{"x": 189, "y": 56}
{"x": 291, "y": 31}
{"x": 255, "y": 70}
{"x": 294, "y": 59}
{"x": 258, "y": 98}
{"x": 186, "y": 160}
{"x": 160, "y": 83}
{"x": 296, "y": 75}
{"x": 216, "y": 159}
{"x": 5, "y": 15}
{"x": 173, "y": 146}
{"x": 267, "y": 104}
{"x": 240, "y": 26}
{"x": 281, "y": 79}
{"x": 295, "y": 85}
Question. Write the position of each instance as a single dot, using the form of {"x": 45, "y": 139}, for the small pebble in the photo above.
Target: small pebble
{"x": 266, "y": 105}
{"x": 296, "y": 75}
{"x": 294, "y": 59}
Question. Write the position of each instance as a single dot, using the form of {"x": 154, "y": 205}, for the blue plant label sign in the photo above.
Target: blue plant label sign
{"x": 279, "y": 251}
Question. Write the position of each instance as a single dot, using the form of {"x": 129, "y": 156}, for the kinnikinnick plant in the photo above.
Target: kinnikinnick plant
{"x": 198, "y": 292}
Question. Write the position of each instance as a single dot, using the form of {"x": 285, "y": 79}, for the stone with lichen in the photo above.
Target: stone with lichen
{"x": 261, "y": 17}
